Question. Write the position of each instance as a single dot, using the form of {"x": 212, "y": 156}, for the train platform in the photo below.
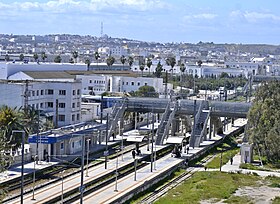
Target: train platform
{"x": 69, "y": 183}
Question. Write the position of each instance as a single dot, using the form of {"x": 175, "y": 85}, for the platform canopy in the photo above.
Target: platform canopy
{"x": 174, "y": 140}
{"x": 135, "y": 138}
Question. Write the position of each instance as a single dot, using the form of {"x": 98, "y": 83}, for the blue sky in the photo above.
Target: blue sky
{"x": 218, "y": 21}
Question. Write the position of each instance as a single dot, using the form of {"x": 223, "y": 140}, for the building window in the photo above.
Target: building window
{"x": 78, "y": 104}
{"x": 74, "y": 92}
{"x": 90, "y": 81}
{"x": 73, "y": 105}
{"x": 126, "y": 83}
{"x": 78, "y": 116}
{"x": 73, "y": 145}
{"x": 132, "y": 83}
{"x": 61, "y": 145}
{"x": 49, "y": 92}
{"x": 61, "y": 105}
{"x": 37, "y": 92}
{"x": 41, "y": 105}
{"x": 146, "y": 84}
{"x": 78, "y": 91}
{"x": 62, "y": 92}
{"x": 49, "y": 104}
{"x": 61, "y": 117}
{"x": 138, "y": 83}
{"x": 42, "y": 92}
{"x": 73, "y": 117}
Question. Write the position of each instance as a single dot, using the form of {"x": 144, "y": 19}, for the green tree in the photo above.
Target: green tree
{"x": 9, "y": 120}
{"x": 264, "y": 121}
{"x": 158, "y": 70}
{"x": 44, "y": 56}
{"x": 71, "y": 61}
{"x": 142, "y": 67}
{"x": 96, "y": 57}
{"x": 21, "y": 57}
{"x": 87, "y": 62}
{"x": 182, "y": 69}
{"x": 123, "y": 60}
{"x": 224, "y": 75}
{"x": 149, "y": 64}
{"x": 171, "y": 61}
{"x": 57, "y": 59}
{"x": 7, "y": 58}
{"x": 36, "y": 57}
{"x": 199, "y": 63}
{"x": 110, "y": 61}
{"x": 75, "y": 55}
{"x": 130, "y": 61}
{"x": 146, "y": 91}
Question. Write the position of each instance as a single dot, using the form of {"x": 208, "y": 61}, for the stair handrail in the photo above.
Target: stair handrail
{"x": 171, "y": 116}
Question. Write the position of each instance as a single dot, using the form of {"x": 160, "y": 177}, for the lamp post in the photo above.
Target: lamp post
{"x": 61, "y": 174}
{"x": 152, "y": 153}
{"x": 135, "y": 168}
{"x": 107, "y": 130}
{"x": 34, "y": 174}
{"x": 117, "y": 164}
{"x": 88, "y": 140}
{"x": 22, "y": 161}
{"x": 82, "y": 170}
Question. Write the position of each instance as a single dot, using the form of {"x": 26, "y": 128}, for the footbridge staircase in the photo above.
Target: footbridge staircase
{"x": 199, "y": 130}
{"x": 165, "y": 123}
{"x": 117, "y": 113}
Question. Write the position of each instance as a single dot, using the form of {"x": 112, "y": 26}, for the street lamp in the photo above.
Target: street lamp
{"x": 61, "y": 174}
{"x": 34, "y": 170}
{"x": 135, "y": 168}
{"x": 88, "y": 140}
{"x": 117, "y": 164}
{"x": 22, "y": 161}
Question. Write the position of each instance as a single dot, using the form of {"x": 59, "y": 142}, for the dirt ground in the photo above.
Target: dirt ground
{"x": 259, "y": 195}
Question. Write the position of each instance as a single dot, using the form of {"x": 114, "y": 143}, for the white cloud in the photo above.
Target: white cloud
{"x": 62, "y": 6}
{"x": 254, "y": 17}
{"x": 203, "y": 16}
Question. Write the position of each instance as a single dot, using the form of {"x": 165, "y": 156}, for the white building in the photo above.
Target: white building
{"x": 98, "y": 84}
{"x": 63, "y": 98}
{"x": 8, "y": 69}
{"x": 247, "y": 67}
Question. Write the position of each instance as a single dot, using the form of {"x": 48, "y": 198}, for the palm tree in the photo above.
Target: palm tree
{"x": 9, "y": 121}
{"x": 75, "y": 55}
{"x": 87, "y": 62}
{"x": 57, "y": 59}
{"x": 149, "y": 64}
{"x": 199, "y": 63}
{"x": 182, "y": 69}
{"x": 123, "y": 60}
{"x": 96, "y": 56}
{"x": 21, "y": 57}
{"x": 110, "y": 61}
{"x": 71, "y": 60}
{"x": 130, "y": 61}
{"x": 171, "y": 61}
{"x": 36, "y": 57}
{"x": 29, "y": 119}
{"x": 142, "y": 67}
{"x": 158, "y": 70}
{"x": 7, "y": 57}
{"x": 43, "y": 56}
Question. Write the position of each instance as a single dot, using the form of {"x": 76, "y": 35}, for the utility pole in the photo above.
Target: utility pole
{"x": 56, "y": 113}
{"x": 152, "y": 153}
{"x": 82, "y": 170}
{"x": 106, "y": 150}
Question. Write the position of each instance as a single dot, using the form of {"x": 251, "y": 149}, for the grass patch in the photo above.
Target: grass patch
{"x": 208, "y": 185}
{"x": 215, "y": 162}
{"x": 239, "y": 200}
{"x": 276, "y": 200}
{"x": 274, "y": 181}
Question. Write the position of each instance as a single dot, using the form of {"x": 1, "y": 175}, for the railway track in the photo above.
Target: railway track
{"x": 174, "y": 182}
{"x": 51, "y": 176}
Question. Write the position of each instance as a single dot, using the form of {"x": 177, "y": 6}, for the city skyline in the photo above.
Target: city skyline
{"x": 247, "y": 22}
